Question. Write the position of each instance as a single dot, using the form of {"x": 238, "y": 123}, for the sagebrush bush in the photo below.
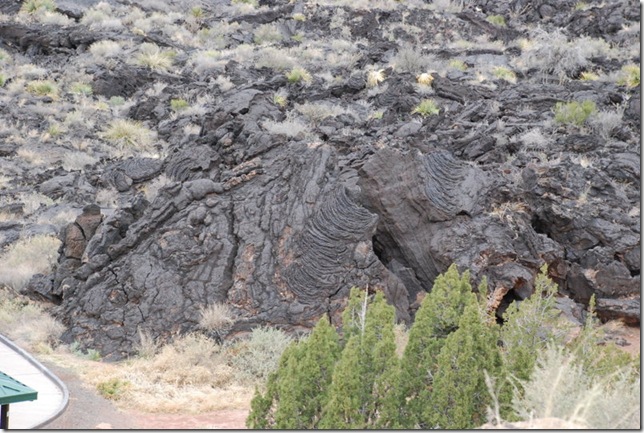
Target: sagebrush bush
{"x": 258, "y": 356}
{"x": 550, "y": 52}
{"x": 605, "y": 122}
{"x": 560, "y": 387}
{"x": 411, "y": 59}
{"x": 267, "y": 33}
{"x": 274, "y": 58}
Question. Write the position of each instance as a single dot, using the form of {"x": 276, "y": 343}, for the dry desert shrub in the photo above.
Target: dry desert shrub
{"x": 33, "y": 201}
{"x": 191, "y": 360}
{"x": 106, "y": 49}
{"x": 27, "y": 324}
{"x": 27, "y": 257}
{"x": 153, "y": 57}
{"x": 128, "y": 134}
{"x": 289, "y": 127}
{"x": 216, "y": 317}
{"x": 191, "y": 374}
{"x": 550, "y": 52}
{"x": 560, "y": 387}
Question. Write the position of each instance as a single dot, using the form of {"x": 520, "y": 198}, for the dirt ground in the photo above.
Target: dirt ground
{"x": 88, "y": 410}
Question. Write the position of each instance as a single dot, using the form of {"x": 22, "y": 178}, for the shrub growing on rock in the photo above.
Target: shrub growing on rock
{"x": 427, "y": 107}
{"x": 574, "y": 113}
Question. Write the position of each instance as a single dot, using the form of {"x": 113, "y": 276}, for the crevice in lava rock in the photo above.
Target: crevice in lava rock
{"x": 540, "y": 226}
{"x": 388, "y": 252}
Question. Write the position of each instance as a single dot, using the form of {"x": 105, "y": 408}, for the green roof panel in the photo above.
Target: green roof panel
{"x": 12, "y": 391}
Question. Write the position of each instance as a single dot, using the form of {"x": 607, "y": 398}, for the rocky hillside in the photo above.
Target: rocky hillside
{"x": 270, "y": 155}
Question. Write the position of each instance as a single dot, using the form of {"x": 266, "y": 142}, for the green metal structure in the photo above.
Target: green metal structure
{"x": 12, "y": 391}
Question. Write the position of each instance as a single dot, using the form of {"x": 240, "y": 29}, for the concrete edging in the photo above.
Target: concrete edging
{"x": 44, "y": 370}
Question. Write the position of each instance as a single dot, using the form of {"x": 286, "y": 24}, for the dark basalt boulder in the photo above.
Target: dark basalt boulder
{"x": 123, "y": 175}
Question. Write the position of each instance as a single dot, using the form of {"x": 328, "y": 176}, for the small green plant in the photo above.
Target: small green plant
{"x": 377, "y": 115}
{"x": 427, "y": 107}
{"x": 197, "y": 12}
{"x": 298, "y": 16}
{"x": 43, "y": 88}
{"x": 116, "y": 101}
{"x": 497, "y": 20}
{"x": 55, "y": 130}
{"x": 179, "y": 104}
{"x": 33, "y": 6}
{"x": 112, "y": 389}
{"x": 280, "y": 100}
{"x": 91, "y": 354}
{"x": 3, "y": 79}
{"x": 580, "y": 6}
{"x": 81, "y": 89}
{"x": 457, "y": 64}
{"x": 630, "y": 76}
{"x": 298, "y": 74}
{"x": 574, "y": 113}
{"x": 506, "y": 74}
{"x": 589, "y": 76}
{"x": 298, "y": 37}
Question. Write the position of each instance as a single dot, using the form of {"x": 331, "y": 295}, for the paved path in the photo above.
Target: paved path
{"x": 52, "y": 393}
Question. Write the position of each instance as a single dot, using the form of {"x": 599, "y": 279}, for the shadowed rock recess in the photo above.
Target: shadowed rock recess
{"x": 279, "y": 225}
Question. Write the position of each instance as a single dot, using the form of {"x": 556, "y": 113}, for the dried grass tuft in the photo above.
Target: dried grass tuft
{"x": 27, "y": 257}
